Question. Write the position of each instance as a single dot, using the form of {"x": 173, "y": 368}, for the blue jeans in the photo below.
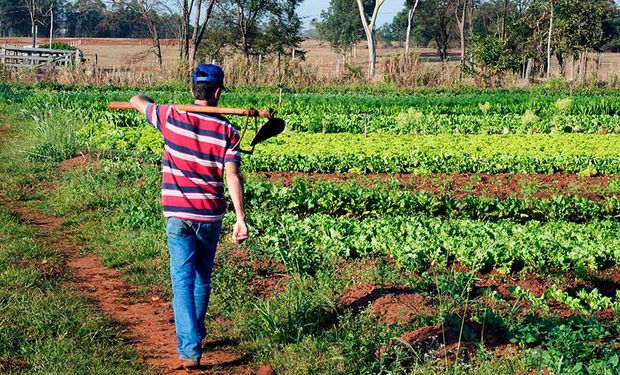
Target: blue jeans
{"x": 192, "y": 252}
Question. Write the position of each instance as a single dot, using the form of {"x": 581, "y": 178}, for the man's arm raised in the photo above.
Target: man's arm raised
{"x": 140, "y": 102}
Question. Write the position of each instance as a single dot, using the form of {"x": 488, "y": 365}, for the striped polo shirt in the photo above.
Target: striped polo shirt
{"x": 196, "y": 146}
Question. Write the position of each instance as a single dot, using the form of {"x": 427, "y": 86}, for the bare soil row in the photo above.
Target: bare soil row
{"x": 464, "y": 184}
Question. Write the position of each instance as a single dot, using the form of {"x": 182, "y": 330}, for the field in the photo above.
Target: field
{"x": 432, "y": 231}
{"x": 137, "y": 55}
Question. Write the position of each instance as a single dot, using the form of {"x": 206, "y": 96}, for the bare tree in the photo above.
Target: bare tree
{"x": 183, "y": 11}
{"x": 369, "y": 29}
{"x": 410, "y": 14}
{"x": 148, "y": 10}
{"x": 460, "y": 21}
{"x": 199, "y": 29}
{"x": 33, "y": 7}
{"x": 186, "y": 9}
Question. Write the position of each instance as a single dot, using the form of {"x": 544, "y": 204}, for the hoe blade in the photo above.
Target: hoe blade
{"x": 271, "y": 128}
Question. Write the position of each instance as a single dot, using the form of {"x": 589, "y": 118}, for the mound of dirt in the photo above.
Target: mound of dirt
{"x": 447, "y": 342}
{"x": 391, "y": 304}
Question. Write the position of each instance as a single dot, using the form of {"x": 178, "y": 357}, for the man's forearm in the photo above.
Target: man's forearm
{"x": 235, "y": 187}
{"x": 140, "y": 102}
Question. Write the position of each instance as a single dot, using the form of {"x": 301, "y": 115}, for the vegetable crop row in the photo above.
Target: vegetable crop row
{"x": 509, "y": 112}
{"x": 352, "y": 199}
{"x": 304, "y": 152}
{"x": 573, "y": 153}
{"x": 455, "y": 102}
{"x": 416, "y": 242}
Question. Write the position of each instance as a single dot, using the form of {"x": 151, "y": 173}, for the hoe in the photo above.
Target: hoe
{"x": 271, "y": 128}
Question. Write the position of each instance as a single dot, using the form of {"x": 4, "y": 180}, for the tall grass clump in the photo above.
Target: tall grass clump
{"x": 56, "y": 134}
{"x": 563, "y": 105}
{"x": 250, "y": 71}
{"x": 409, "y": 71}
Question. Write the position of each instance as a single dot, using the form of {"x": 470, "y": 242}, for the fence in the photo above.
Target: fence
{"x": 28, "y": 57}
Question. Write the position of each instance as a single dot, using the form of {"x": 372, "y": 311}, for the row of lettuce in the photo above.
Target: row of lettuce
{"x": 502, "y": 112}
{"x": 418, "y": 242}
{"x": 333, "y": 153}
{"x": 376, "y": 199}
{"x": 309, "y": 224}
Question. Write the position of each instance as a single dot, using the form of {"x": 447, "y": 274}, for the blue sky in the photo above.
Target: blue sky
{"x": 312, "y": 9}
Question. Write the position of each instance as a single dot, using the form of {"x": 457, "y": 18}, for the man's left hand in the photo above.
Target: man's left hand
{"x": 240, "y": 232}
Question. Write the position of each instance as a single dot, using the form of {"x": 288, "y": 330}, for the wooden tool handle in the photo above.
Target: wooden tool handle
{"x": 205, "y": 109}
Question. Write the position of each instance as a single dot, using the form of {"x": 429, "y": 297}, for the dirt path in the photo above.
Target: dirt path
{"x": 148, "y": 322}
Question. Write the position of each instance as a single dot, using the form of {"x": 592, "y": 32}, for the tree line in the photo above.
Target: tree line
{"x": 491, "y": 35}
{"x": 252, "y": 27}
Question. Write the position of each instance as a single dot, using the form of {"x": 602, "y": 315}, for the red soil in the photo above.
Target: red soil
{"x": 272, "y": 276}
{"x": 391, "y": 304}
{"x": 80, "y": 163}
{"x": 447, "y": 344}
{"x": 464, "y": 184}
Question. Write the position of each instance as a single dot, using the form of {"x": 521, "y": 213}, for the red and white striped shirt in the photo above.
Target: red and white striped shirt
{"x": 196, "y": 147}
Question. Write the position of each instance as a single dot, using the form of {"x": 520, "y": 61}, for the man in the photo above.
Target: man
{"x": 198, "y": 150}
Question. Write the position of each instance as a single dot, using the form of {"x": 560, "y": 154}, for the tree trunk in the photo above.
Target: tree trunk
{"x": 549, "y": 41}
{"x": 585, "y": 64}
{"x": 369, "y": 30}
{"x": 598, "y": 65}
{"x": 503, "y": 27}
{"x": 372, "y": 56}
{"x": 409, "y": 21}
{"x": 462, "y": 30}
{"x": 192, "y": 57}
{"x": 33, "y": 30}
{"x": 186, "y": 13}
{"x": 460, "y": 20}
{"x": 561, "y": 63}
{"x": 199, "y": 31}
{"x": 528, "y": 70}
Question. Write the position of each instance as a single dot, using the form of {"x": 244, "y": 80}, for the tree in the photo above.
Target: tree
{"x": 567, "y": 28}
{"x": 549, "y": 38}
{"x": 253, "y": 27}
{"x": 34, "y": 11}
{"x": 340, "y": 25}
{"x": 369, "y": 21}
{"x": 245, "y": 16}
{"x": 148, "y": 11}
{"x": 412, "y": 5}
{"x": 436, "y": 20}
{"x": 578, "y": 26}
{"x": 283, "y": 29}
{"x": 199, "y": 29}
{"x": 488, "y": 56}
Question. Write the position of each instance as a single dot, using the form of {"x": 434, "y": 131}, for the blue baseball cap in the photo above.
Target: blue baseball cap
{"x": 209, "y": 73}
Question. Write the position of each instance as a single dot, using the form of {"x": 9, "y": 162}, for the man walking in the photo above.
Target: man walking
{"x": 198, "y": 150}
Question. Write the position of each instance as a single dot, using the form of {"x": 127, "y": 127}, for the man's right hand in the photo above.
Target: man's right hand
{"x": 240, "y": 232}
